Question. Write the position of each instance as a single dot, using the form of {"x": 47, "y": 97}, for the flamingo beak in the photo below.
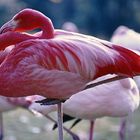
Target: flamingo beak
{"x": 9, "y": 26}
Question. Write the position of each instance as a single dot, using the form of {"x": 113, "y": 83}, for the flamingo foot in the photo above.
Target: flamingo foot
{"x": 74, "y": 136}
{"x": 50, "y": 101}
{"x": 60, "y": 113}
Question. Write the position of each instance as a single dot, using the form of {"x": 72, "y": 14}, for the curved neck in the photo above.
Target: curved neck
{"x": 12, "y": 38}
{"x": 47, "y": 28}
{"x": 42, "y": 22}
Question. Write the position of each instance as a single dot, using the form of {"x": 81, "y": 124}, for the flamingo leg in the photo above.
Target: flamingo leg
{"x": 122, "y": 131}
{"x": 60, "y": 121}
{"x": 115, "y": 78}
{"x": 1, "y": 127}
{"x": 74, "y": 136}
{"x": 59, "y": 113}
{"x": 91, "y": 130}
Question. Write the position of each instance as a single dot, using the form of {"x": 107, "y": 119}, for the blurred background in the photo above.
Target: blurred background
{"x": 94, "y": 17}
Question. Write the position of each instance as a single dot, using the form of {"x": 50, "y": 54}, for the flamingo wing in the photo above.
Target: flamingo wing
{"x": 50, "y": 67}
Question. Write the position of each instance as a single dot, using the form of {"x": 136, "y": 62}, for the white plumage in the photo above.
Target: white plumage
{"x": 127, "y": 38}
{"x": 114, "y": 99}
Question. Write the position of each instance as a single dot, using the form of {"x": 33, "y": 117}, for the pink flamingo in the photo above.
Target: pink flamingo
{"x": 56, "y": 67}
{"x": 97, "y": 102}
{"x": 21, "y": 22}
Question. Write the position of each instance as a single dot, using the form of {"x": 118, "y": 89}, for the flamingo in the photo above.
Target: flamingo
{"x": 126, "y": 37}
{"x": 56, "y": 67}
{"x": 70, "y": 26}
{"x": 129, "y": 39}
{"x": 20, "y": 22}
{"x": 116, "y": 99}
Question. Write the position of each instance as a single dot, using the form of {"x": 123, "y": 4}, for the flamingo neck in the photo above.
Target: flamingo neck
{"x": 47, "y": 29}
{"x": 29, "y": 19}
{"x": 42, "y": 22}
{"x": 12, "y": 38}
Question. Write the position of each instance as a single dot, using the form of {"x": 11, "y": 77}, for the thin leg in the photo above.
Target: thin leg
{"x": 129, "y": 129}
{"x": 60, "y": 113}
{"x": 60, "y": 121}
{"x": 122, "y": 131}
{"x": 105, "y": 81}
{"x": 91, "y": 130}
{"x": 1, "y": 127}
{"x": 74, "y": 136}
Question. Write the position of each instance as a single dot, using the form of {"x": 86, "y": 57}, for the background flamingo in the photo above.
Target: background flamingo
{"x": 126, "y": 37}
{"x": 98, "y": 102}
{"x": 130, "y": 39}
{"x": 29, "y": 58}
{"x": 70, "y": 26}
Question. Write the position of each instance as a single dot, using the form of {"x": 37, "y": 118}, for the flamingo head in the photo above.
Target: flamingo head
{"x": 25, "y": 20}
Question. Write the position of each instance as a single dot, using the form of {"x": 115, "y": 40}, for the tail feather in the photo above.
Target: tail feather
{"x": 130, "y": 62}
